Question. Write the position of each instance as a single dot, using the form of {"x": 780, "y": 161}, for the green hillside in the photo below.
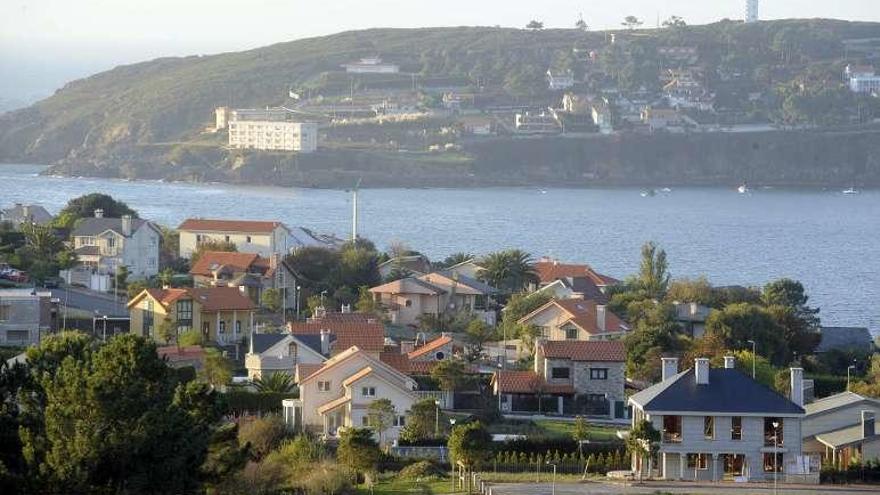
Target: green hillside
{"x": 166, "y": 101}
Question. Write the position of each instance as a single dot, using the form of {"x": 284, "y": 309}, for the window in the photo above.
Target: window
{"x": 407, "y": 303}
{"x": 698, "y": 461}
{"x": 368, "y": 391}
{"x": 184, "y": 314}
{"x": 226, "y": 238}
{"x": 4, "y": 312}
{"x": 198, "y": 238}
{"x": 148, "y": 318}
{"x": 248, "y": 239}
{"x": 20, "y": 336}
{"x": 598, "y": 373}
{"x": 365, "y": 421}
{"x": 672, "y": 429}
{"x": 238, "y": 326}
{"x": 400, "y": 421}
{"x": 709, "y": 428}
{"x": 222, "y": 327}
{"x": 736, "y": 428}
{"x": 571, "y": 333}
{"x": 323, "y": 386}
{"x": 111, "y": 242}
{"x": 560, "y": 373}
{"x": 773, "y": 436}
{"x": 772, "y": 462}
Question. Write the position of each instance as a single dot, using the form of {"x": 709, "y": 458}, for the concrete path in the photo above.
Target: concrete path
{"x": 689, "y": 488}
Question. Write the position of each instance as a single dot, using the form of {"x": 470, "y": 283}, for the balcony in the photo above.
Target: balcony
{"x": 671, "y": 437}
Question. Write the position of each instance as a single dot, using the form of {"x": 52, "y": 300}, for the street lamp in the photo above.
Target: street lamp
{"x": 298, "y": 288}
{"x": 848, "y": 370}
{"x": 437, "y": 418}
{"x": 554, "y": 478}
{"x": 452, "y": 423}
{"x": 775, "y": 455}
{"x": 754, "y": 356}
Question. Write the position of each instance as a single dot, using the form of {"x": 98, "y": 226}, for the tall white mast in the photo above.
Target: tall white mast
{"x": 354, "y": 211}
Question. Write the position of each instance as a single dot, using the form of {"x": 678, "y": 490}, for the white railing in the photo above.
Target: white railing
{"x": 445, "y": 398}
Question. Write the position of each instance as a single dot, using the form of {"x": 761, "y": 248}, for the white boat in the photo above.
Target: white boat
{"x": 648, "y": 193}
{"x": 743, "y": 189}
{"x": 851, "y": 190}
{"x": 666, "y": 190}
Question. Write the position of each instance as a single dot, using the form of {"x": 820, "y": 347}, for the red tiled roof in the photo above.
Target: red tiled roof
{"x": 173, "y": 354}
{"x": 396, "y": 360}
{"x": 211, "y": 260}
{"x": 583, "y": 314}
{"x": 252, "y": 226}
{"x": 528, "y": 382}
{"x": 548, "y": 271}
{"x": 349, "y": 329}
{"x": 305, "y": 370}
{"x": 585, "y": 350}
{"x": 210, "y": 299}
{"x": 430, "y": 346}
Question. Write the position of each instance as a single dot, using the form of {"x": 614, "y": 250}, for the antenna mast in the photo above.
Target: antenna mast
{"x": 354, "y": 211}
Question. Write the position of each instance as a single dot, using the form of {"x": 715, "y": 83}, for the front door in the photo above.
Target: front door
{"x": 734, "y": 465}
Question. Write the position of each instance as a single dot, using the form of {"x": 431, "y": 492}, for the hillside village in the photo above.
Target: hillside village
{"x": 332, "y": 337}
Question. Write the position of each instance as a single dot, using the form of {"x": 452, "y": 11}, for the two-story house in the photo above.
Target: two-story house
{"x": 249, "y": 270}
{"x": 106, "y": 244}
{"x": 21, "y": 214}
{"x": 570, "y": 378}
{"x": 338, "y": 394}
{"x": 436, "y": 293}
{"x": 26, "y": 315}
{"x": 576, "y": 319}
{"x": 249, "y": 236}
{"x": 572, "y": 280}
{"x": 719, "y": 423}
{"x": 223, "y": 315}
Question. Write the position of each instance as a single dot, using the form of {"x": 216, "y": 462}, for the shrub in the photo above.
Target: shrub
{"x": 326, "y": 478}
{"x": 241, "y": 401}
{"x": 422, "y": 470}
{"x": 262, "y": 434}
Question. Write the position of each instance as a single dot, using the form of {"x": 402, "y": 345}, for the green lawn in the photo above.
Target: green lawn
{"x": 388, "y": 485}
{"x": 551, "y": 428}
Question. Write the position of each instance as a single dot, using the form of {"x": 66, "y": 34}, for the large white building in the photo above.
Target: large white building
{"x": 862, "y": 79}
{"x": 751, "y": 10}
{"x": 371, "y": 65}
{"x": 271, "y": 129}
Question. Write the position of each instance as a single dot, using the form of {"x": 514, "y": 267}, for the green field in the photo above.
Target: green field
{"x": 552, "y": 428}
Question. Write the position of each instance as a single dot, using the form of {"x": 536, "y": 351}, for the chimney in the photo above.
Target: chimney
{"x": 729, "y": 362}
{"x": 345, "y": 308}
{"x": 701, "y": 371}
{"x": 325, "y": 342}
{"x": 693, "y": 307}
{"x": 126, "y": 225}
{"x": 99, "y": 213}
{"x": 600, "y": 317}
{"x": 797, "y": 386}
{"x": 868, "y": 429}
{"x": 26, "y": 212}
{"x": 670, "y": 367}
{"x": 242, "y": 289}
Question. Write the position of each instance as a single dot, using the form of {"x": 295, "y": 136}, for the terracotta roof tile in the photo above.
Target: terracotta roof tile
{"x": 585, "y": 350}
{"x": 252, "y": 226}
{"x": 305, "y": 370}
{"x": 548, "y": 271}
{"x": 584, "y": 314}
{"x": 211, "y": 299}
{"x": 528, "y": 382}
{"x": 430, "y": 346}
{"x": 349, "y": 329}
{"x": 210, "y": 261}
{"x": 173, "y": 354}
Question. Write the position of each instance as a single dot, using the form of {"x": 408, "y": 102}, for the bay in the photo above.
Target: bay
{"x": 827, "y": 240}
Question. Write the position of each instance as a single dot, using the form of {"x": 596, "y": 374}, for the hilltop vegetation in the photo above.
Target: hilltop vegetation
{"x": 145, "y": 120}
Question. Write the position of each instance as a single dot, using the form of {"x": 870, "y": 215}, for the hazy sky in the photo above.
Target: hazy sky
{"x": 48, "y": 40}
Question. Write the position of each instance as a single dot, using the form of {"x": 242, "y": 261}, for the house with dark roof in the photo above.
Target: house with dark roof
{"x": 436, "y": 293}
{"x": 568, "y": 378}
{"x": 841, "y": 428}
{"x": 719, "y": 423}
{"x": 845, "y": 339}
{"x": 223, "y": 315}
{"x": 576, "y": 319}
{"x": 20, "y": 214}
{"x": 414, "y": 265}
{"x": 270, "y": 353}
{"x": 105, "y": 244}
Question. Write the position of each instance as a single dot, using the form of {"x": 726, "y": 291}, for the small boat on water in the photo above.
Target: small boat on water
{"x": 666, "y": 190}
{"x": 648, "y": 193}
{"x": 743, "y": 189}
{"x": 851, "y": 190}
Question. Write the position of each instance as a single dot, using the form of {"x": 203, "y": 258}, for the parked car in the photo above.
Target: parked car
{"x": 13, "y": 275}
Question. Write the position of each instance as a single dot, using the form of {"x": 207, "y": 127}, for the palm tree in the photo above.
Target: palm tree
{"x": 280, "y": 383}
{"x": 510, "y": 271}
{"x": 581, "y": 24}
{"x": 535, "y": 25}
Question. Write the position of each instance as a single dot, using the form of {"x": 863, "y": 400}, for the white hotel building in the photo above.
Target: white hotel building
{"x": 269, "y": 130}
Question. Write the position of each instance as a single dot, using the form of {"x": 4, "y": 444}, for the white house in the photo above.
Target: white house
{"x": 338, "y": 394}
{"x": 108, "y": 243}
{"x": 270, "y": 353}
{"x": 249, "y": 236}
{"x": 371, "y": 65}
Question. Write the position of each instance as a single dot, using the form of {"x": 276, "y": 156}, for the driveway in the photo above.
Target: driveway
{"x": 689, "y": 488}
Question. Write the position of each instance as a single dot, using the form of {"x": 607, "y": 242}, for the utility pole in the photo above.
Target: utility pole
{"x": 754, "y": 357}
{"x": 354, "y": 211}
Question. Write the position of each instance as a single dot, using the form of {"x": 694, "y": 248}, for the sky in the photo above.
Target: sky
{"x": 44, "y": 43}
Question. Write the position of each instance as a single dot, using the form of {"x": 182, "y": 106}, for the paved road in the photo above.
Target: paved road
{"x": 599, "y": 488}
{"x": 89, "y": 300}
